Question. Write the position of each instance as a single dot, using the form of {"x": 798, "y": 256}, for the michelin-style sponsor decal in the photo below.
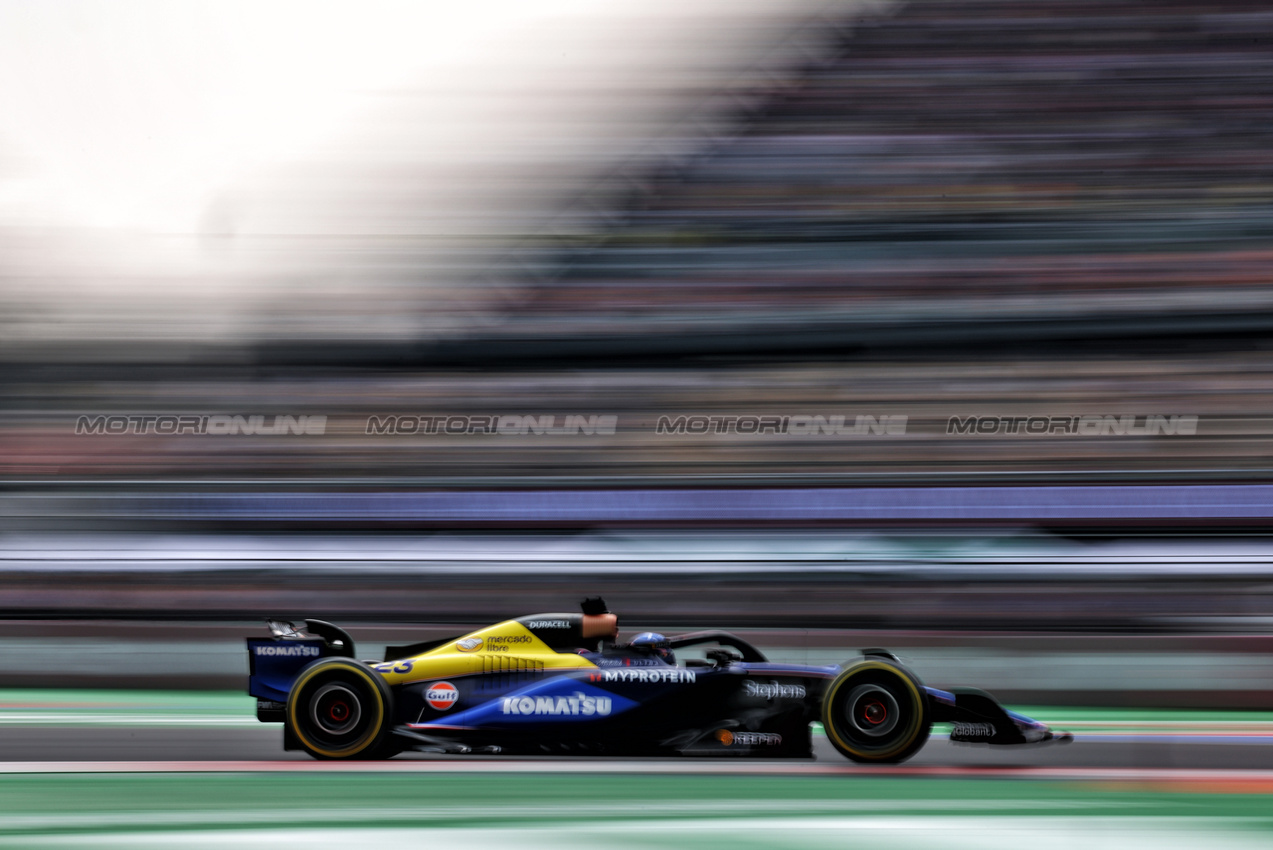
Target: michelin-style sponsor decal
{"x": 749, "y": 739}
{"x": 645, "y": 675}
{"x": 441, "y": 695}
{"x": 469, "y": 645}
{"x": 577, "y": 704}
{"x": 548, "y": 624}
{"x": 773, "y": 690}
{"x": 282, "y": 649}
{"x": 971, "y": 731}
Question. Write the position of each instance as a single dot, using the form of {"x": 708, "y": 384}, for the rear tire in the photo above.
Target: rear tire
{"x": 876, "y": 711}
{"x": 341, "y": 709}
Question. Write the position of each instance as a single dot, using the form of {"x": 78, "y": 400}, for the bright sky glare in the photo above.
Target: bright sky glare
{"x": 160, "y": 158}
{"x": 133, "y": 112}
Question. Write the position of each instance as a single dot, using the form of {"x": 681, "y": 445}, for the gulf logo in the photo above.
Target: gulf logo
{"x": 441, "y": 695}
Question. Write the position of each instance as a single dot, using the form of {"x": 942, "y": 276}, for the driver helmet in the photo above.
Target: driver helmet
{"x": 655, "y": 644}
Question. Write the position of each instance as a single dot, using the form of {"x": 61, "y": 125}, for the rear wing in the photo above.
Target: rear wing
{"x": 275, "y": 662}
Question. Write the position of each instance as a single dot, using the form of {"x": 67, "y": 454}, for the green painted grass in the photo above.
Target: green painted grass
{"x": 93, "y": 803}
{"x": 224, "y": 702}
{"x": 115, "y": 707}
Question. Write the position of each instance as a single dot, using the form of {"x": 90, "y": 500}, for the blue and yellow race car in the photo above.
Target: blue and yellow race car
{"x": 562, "y": 684}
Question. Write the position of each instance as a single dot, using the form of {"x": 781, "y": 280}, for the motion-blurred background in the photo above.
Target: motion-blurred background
{"x": 940, "y": 326}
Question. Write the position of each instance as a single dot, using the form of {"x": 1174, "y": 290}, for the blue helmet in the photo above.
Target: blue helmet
{"x": 655, "y": 644}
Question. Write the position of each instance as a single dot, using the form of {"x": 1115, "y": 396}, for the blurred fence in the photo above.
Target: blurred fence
{"x": 1205, "y": 671}
{"x": 786, "y": 580}
{"x": 1032, "y": 618}
{"x": 1109, "y": 416}
{"x": 182, "y": 507}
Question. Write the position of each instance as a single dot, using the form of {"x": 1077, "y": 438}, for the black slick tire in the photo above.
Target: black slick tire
{"x": 339, "y": 708}
{"x": 876, "y": 711}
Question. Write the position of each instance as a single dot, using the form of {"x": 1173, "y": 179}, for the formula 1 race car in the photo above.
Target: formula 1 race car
{"x": 560, "y": 683}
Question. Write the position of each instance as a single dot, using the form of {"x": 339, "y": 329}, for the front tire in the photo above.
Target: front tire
{"x": 341, "y": 709}
{"x": 876, "y": 711}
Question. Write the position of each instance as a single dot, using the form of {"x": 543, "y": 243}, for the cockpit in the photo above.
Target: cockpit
{"x": 600, "y": 629}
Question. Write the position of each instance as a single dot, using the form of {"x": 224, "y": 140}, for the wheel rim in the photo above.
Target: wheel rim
{"x": 872, "y": 711}
{"x": 875, "y": 712}
{"x": 335, "y": 709}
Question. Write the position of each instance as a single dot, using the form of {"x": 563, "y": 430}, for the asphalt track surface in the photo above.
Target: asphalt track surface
{"x": 252, "y": 742}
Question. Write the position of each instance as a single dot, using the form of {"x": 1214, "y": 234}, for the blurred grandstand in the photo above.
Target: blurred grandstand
{"x": 947, "y": 210}
{"x": 959, "y": 172}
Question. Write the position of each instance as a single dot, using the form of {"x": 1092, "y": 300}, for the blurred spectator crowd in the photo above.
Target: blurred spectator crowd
{"x": 963, "y": 161}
